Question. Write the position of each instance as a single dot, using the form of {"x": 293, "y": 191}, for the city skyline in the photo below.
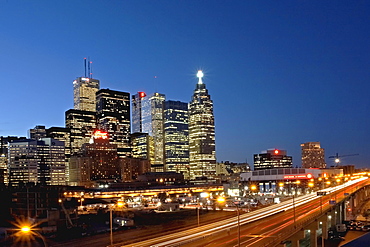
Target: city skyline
{"x": 280, "y": 74}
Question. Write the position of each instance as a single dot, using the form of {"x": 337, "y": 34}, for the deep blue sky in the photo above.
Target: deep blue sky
{"x": 280, "y": 73}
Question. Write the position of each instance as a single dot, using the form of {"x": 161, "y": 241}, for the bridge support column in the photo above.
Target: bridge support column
{"x": 324, "y": 226}
{"x": 313, "y": 227}
{"x": 296, "y": 237}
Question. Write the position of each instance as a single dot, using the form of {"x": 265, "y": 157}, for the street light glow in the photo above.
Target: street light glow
{"x": 25, "y": 229}
{"x": 221, "y": 199}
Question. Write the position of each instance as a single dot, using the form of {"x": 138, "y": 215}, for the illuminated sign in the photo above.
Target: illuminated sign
{"x": 141, "y": 94}
{"x": 299, "y": 176}
{"x": 100, "y": 135}
{"x": 84, "y": 79}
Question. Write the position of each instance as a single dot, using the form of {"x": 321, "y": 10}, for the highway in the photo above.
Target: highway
{"x": 263, "y": 227}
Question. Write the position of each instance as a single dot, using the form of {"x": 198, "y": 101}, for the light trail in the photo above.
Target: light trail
{"x": 187, "y": 236}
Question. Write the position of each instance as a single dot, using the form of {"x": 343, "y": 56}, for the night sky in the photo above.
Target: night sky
{"x": 280, "y": 73}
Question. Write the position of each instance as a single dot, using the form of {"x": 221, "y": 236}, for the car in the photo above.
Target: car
{"x": 359, "y": 226}
{"x": 365, "y": 228}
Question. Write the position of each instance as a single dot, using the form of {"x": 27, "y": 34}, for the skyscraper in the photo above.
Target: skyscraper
{"x": 272, "y": 158}
{"x": 137, "y": 112}
{"x": 313, "y": 155}
{"x": 176, "y": 137}
{"x": 113, "y": 116}
{"x": 152, "y": 123}
{"x": 84, "y": 93}
{"x": 81, "y": 125}
{"x": 202, "y": 133}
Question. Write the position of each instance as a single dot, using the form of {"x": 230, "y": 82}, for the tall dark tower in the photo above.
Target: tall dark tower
{"x": 113, "y": 115}
{"x": 202, "y": 133}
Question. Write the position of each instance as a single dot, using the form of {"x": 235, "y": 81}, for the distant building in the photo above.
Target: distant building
{"x": 313, "y": 156}
{"x": 97, "y": 162}
{"x": 142, "y": 146}
{"x": 136, "y": 102}
{"x": 3, "y": 169}
{"x": 4, "y": 141}
{"x": 153, "y": 124}
{"x": 202, "y": 143}
{"x": 37, "y": 161}
{"x": 84, "y": 93}
{"x": 37, "y": 133}
{"x": 131, "y": 168}
{"x": 272, "y": 158}
{"x": 81, "y": 124}
{"x": 176, "y": 137}
{"x": 113, "y": 115}
{"x": 162, "y": 178}
{"x": 61, "y": 134}
{"x": 228, "y": 167}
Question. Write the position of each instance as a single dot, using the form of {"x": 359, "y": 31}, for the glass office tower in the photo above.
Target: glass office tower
{"x": 176, "y": 137}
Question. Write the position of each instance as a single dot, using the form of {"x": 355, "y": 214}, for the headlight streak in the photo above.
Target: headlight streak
{"x": 191, "y": 235}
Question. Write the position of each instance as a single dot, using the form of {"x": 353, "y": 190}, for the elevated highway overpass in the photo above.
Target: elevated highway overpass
{"x": 295, "y": 220}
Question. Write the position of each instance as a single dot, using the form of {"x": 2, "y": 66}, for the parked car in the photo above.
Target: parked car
{"x": 366, "y": 228}
{"x": 359, "y": 226}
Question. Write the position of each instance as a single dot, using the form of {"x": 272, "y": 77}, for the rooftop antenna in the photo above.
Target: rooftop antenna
{"x": 91, "y": 70}
{"x": 155, "y": 83}
{"x": 88, "y": 67}
{"x": 85, "y": 65}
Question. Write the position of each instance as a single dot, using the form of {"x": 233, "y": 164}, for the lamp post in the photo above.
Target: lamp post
{"x": 223, "y": 200}
{"x": 203, "y": 195}
{"x": 119, "y": 204}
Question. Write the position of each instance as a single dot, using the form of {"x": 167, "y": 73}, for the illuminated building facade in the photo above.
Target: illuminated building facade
{"x": 313, "y": 156}
{"x": 37, "y": 161}
{"x": 84, "y": 93}
{"x": 202, "y": 133}
{"x": 4, "y": 141}
{"x": 97, "y": 162}
{"x": 81, "y": 125}
{"x": 176, "y": 137}
{"x": 61, "y": 134}
{"x": 113, "y": 116}
{"x": 272, "y": 158}
{"x": 142, "y": 146}
{"x": 131, "y": 168}
{"x": 153, "y": 124}
{"x": 137, "y": 112}
{"x": 37, "y": 133}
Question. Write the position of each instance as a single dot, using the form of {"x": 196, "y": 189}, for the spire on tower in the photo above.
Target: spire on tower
{"x": 200, "y": 76}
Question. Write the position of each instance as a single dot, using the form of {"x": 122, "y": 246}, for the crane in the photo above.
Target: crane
{"x": 336, "y": 157}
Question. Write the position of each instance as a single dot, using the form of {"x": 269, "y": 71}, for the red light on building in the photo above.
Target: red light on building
{"x": 276, "y": 151}
{"x": 98, "y": 134}
{"x": 141, "y": 94}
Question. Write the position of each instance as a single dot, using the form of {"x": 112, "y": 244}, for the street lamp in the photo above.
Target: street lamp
{"x": 223, "y": 200}
{"x": 27, "y": 233}
{"x": 202, "y": 195}
{"x": 119, "y": 204}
